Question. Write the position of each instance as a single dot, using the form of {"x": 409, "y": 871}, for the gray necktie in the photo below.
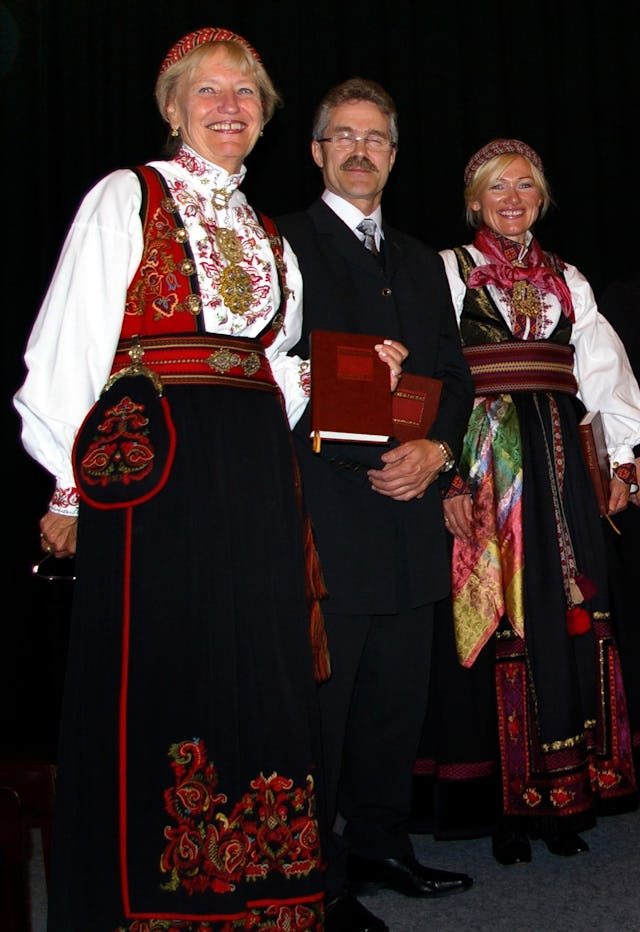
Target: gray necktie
{"x": 368, "y": 229}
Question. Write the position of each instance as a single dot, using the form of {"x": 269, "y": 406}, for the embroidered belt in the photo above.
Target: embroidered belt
{"x": 521, "y": 366}
{"x": 201, "y": 359}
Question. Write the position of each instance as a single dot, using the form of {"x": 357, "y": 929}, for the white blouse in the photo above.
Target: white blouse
{"x": 73, "y": 341}
{"x": 606, "y": 382}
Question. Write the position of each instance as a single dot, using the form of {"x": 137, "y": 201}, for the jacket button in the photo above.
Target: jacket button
{"x": 385, "y": 292}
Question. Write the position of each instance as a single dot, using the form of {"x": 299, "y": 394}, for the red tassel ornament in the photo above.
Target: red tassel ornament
{"x": 578, "y": 620}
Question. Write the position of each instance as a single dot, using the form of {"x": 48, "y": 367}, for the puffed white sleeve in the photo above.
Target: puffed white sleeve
{"x": 606, "y": 381}
{"x": 291, "y": 372}
{"x": 71, "y": 346}
{"x": 456, "y": 285}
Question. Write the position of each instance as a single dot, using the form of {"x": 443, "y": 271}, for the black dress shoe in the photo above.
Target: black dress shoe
{"x": 404, "y": 875}
{"x": 347, "y": 914}
{"x": 510, "y": 846}
{"x": 565, "y": 843}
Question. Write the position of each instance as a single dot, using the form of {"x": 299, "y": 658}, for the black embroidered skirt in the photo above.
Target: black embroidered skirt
{"x": 187, "y": 767}
{"x": 537, "y": 728}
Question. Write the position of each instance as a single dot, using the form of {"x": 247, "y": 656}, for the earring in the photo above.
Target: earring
{"x": 262, "y": 132}
{"x": 174, "y": 131}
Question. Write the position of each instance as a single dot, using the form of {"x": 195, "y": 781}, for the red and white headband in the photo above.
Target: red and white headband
{"x": 202, "y": 37}
{"x": 500, "y": 147}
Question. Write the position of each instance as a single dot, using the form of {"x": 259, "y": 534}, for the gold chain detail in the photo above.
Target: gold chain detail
{"x": 235, "y": 284}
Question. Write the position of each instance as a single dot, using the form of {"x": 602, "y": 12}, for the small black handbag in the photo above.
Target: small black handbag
{"x": 124, "y": 449}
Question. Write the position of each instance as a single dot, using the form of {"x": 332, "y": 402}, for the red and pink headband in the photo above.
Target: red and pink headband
{"x": 500, "y": 147}
{"x": 202, "y": 37}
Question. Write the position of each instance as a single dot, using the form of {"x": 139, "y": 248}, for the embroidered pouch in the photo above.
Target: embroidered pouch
{"x": 125, "y": 446}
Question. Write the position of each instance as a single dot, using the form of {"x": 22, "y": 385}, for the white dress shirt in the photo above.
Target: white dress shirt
{"x": 352, "y": 216}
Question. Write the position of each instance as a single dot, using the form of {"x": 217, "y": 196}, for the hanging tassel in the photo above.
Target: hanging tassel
{"x": 586, "y": 586}
{"x": 319, "y": 645}
{"x": 578, "y": 620}
{"x": 576, "y": 593}
{"x": 316, "y": 590}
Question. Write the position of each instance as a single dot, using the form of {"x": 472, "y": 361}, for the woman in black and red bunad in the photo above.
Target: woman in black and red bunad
{"x": 187, "y": 768}
{"x": 528, "y": 726}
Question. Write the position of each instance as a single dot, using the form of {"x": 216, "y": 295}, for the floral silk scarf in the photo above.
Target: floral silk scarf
{"x": 488, "y": 571}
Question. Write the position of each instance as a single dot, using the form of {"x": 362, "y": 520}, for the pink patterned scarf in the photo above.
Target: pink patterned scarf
{"x": 540, "y": 269}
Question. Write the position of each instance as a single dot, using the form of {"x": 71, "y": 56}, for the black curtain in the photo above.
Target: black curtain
{"x": 76, "y": 92}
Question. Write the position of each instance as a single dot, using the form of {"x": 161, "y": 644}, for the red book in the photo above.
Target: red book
{"x": 350, "y": 389}
{"x": 415, "y": 405}
{"x": 594, "y": 449}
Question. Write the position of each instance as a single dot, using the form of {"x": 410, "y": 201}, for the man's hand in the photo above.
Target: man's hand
{"x": 408, "y": 470}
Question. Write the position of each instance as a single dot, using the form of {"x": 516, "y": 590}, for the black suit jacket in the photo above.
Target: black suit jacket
{"x": 379, "y": 556}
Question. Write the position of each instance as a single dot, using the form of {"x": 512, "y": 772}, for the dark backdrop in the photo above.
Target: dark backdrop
{"x": 76, "y": 92}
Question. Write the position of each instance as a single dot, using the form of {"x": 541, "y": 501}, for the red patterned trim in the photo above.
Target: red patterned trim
{"x": 626, "y": 472}
{"x": 303, "y": 914}
{"x": 518, "y": 365}
{"x": 202, "y": 37}
{"x": 268, "y": 335}
{"x": 477, "y": 770}
{"x": 202, "y": 359}
{"x": 569, "y": 776}
{"x": 456, "y": 487}
{"x": 163, "y": 295}
{"x": 500, "y": 147}
{"x": 65, "y": 498}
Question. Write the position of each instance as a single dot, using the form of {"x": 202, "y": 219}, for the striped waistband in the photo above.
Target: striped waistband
{"x": 200, "y": 359}
{"x": 519, "y": 366}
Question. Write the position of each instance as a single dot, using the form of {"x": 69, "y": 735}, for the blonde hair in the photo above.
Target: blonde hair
{"x": 239, "y": 56}
{"x": 489, "y": 172}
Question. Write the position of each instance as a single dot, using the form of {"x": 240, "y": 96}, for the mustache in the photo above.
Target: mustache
{"x": 359, "y": 161}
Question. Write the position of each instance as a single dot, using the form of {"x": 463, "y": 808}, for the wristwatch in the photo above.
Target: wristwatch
{"x": 449, "y": 460}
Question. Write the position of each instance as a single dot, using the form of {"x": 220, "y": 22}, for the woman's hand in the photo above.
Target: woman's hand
{"x": 458, "y": 512}
{"x": 58, "y": 534}
{"x": 394, "y": 354}
{"x": 618, "y": 495}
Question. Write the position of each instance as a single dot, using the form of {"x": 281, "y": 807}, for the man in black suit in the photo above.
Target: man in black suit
{"x": 377, "y": 511}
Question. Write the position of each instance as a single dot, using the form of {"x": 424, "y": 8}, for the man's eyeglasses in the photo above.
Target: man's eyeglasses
{"x": 346, "y": 142}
